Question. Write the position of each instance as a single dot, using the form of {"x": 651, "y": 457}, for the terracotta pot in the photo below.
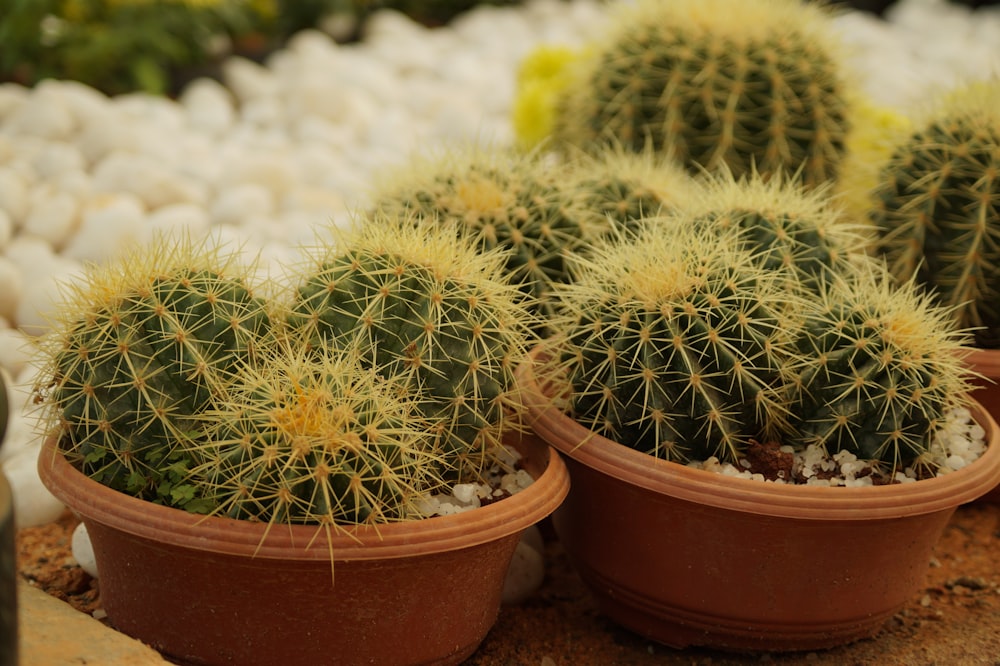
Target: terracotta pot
{"x": 220, "y": 591}
{"x": 986, "y": 362}
{"x": 688, "y": 557}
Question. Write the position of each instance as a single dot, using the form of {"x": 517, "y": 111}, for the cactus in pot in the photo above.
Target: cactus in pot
{"x": 316, "y": 438}
{"x": 676, "y": 343}
{"x": 139, "y": 349}
{"x": 756, "y": 83}
{"x": 880, "y": 370}
{"x": 936, "y": 207}
{"x": 421, "y": 301}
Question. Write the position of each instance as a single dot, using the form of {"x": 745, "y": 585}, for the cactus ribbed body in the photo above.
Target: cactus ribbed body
{"x": 125, "y": 383}
{"x": 787, "y": 228}
{"x": 618, "y": 188}
{"x": 317, "y": 438}
{"x": 713, "y": 83}
{"x": 421, "y": 301}
{"x": 503, "y": 201}
{"x": 937, "y": 209}
{"x": 674, "y": 344}
{"x": 881, "y": 367}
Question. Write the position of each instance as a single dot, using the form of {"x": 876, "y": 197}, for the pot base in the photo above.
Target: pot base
{"x": 678, "y": 629}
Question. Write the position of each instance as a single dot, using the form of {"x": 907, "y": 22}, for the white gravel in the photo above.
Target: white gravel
{"x": 281, "y": 148}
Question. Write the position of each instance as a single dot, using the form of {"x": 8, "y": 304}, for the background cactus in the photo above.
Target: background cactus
{"x": 316, "y": 438}
{"x": 503, "y": 200}
{"x": 140, "y": 349}
{"x": 881, "y": 368}
{"x": 800, "y": 232}
{"x": 716, "y": 82}
{"x": 421, "y": 301}
{"x": 937, "y": 208}
{"x": 675, "y": 343}
{"x": 618, "y": 187}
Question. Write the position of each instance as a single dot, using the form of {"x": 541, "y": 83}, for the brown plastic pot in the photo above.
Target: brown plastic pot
{"x": 220, "y": 591}
{"x": 986, "y": 363}
{"x": 688, "y": 557}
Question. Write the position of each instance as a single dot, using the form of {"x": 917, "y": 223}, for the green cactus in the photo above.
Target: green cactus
{"x": 675, "y": 343}
{"x": 881, "y": 367}
{"x": 140, "y": 347}
{"x": 422, "y": 301}
{"x": 745, "y": 84}
{"x": 937, "y": 208}
{"x": 502, "y": 199}
{"x": 318, "y": 439}
{"x": 789, "y": 229}
{"x": 620, "y": 187}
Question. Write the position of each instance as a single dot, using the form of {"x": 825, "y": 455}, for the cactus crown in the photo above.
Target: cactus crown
{"x": 674, "y": 343}
{"x": 501, "y": 199}
{"x": 317, "y": 438}
{"x": 421, "y": 301}
{"x": 881, "y": 367}
{"x": 138, "y": 350}
{"x": 788, "y": 228}
{"x": 937, "y": 207}
{"x": 619, "y": 187}
{"x": 750, "y": 84}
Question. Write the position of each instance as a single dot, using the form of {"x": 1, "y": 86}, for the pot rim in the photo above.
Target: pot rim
{"x": 985, "y": 362}
{"x": 762, "y": 498}
{"x": 93, "y": 501}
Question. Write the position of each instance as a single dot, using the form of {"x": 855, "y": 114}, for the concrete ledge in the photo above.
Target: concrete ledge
{"x": 53, "y": 633}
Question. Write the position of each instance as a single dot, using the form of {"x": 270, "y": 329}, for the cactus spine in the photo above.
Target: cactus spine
{"x": 881, "y": 367}
{"x": 789, "y": 229}
{"x": 937, "y": 208}
{"x": 419, "y": 300}
{"x": 675, "y": 343}
{"x": 503, "y": 200}
{"x": 141, "y": 348}
{"x": 319, "y": 439}
{"x": 619, "y": 187}
{"x": 755, "y": 83}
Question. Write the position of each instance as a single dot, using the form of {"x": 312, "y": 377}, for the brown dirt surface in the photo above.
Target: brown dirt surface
{"x": 954, "y": 620}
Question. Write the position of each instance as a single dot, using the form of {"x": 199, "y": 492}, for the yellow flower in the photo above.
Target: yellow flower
{"x": 541, "y": 79}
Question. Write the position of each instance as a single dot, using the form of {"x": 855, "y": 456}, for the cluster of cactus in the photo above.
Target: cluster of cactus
{"x": 936, "y": 208}
{"x": 317, "y": 438}
{"x": 752, "y": 313}
{"x": 503, "y": 200}
{"x": 750, "y": 84}
{"x": 424, "y": 302}
{"x": 143, "y": 347}
{"x": 382, "y": 372}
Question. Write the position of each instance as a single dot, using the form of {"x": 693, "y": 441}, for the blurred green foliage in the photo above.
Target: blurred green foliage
{"x": 154, "y": 46}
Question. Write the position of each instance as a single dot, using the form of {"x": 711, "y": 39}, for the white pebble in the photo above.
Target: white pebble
{"x": 14, "y": 195}
{"x": 524, "y": 575}
{"x": 83, "y": 550}
{"x": 54, "y": 216}
{"x": 33, "y": 503}
{"x": 108, "y": 223}
{"x": 209, "y": 106}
